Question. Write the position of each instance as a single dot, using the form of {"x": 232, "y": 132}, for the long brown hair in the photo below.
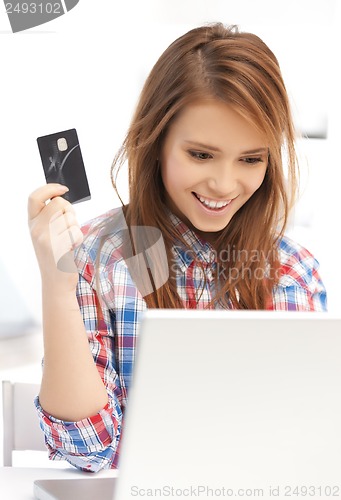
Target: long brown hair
{"x": 239, "y": 69}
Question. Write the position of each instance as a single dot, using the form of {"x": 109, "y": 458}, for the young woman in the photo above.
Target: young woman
{"x": 205, "y": 153}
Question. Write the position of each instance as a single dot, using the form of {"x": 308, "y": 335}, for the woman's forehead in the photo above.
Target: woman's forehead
{"x": 215, "y": 123}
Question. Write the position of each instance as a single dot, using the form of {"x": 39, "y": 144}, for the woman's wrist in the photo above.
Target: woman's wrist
{"x": 62, "y": 289}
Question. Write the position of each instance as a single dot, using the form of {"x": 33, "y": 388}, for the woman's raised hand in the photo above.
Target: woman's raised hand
{"x": 55, "y": 234}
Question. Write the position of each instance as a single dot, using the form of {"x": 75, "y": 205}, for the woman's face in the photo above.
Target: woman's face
{"x": 212, "y": 161}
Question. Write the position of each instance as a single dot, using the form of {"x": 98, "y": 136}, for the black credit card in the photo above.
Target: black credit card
{"x": 62, "y": 161}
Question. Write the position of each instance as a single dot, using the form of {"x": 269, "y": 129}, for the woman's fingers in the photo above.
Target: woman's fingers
{"x": 55, "y": 234}
{"x": 37, "y": 200}
{"x": 61, "y": 219}
{"x": 65, "y": 235}
{"x": 53, "y": 225}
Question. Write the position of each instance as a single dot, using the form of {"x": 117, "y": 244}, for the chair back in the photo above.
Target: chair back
{"x": 21, "y": 430}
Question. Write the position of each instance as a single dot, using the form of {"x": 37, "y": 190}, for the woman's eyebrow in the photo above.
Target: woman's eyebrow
{"x": 258, "y": 150}
{"x": 203, "y": 146}
{"x": 214, "y": 148}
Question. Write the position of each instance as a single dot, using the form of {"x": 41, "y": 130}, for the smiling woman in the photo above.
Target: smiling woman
{"x": 221, "y": 89}
{"x": 208, "y": 206}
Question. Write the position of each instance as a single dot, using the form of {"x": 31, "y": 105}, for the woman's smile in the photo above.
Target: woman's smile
{"x": 212, "y": 207}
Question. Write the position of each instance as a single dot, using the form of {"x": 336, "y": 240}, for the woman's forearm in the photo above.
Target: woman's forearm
{"x": 71, "y": 388}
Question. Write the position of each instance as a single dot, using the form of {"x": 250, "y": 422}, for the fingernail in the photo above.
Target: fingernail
{"x": 64, "y": 188}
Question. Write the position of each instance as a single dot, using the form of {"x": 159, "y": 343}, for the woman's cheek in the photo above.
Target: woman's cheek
{"x": 256, "y": 182}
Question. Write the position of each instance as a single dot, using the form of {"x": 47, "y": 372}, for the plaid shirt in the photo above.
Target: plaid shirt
{"x": 112, "y": 320}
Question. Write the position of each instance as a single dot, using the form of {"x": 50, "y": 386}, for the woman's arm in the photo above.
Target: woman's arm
{"x": 72, "y": 388}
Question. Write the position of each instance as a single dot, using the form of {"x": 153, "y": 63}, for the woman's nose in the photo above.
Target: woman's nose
{"x": 223, "y": 181}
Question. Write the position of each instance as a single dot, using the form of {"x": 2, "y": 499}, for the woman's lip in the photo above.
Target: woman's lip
{"x": 213, "y": 211}
{"x": 212, "y": 199}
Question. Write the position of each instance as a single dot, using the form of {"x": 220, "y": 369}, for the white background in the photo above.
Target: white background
{"x": 85, "y": 70}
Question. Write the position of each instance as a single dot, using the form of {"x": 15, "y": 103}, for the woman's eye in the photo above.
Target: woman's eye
{"x": 199, "y": 155}
{"x": 252, "y": 160}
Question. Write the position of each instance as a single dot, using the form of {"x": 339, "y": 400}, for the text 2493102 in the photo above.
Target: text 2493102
{"x": 34, "y": 8}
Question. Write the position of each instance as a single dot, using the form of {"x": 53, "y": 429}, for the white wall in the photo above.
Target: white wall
{"x": 85, "y": 70}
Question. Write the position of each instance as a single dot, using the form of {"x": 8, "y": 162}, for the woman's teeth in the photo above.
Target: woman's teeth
{"x": 212, "y": 204}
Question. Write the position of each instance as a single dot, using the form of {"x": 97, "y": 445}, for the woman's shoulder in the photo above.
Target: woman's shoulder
{"x": 104, "y": 234}
{"x": 93, "y": 227}
{"x": 298, "y": 264}
{"x": 291, "y": 250}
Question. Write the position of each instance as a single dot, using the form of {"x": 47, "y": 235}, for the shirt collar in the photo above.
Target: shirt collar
{"x": 199, "y": 249}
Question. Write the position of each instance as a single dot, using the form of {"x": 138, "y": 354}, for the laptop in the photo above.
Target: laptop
{"x": 224, "y": 402}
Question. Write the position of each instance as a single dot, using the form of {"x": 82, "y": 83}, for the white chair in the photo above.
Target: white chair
{"x": 21, "y": 429}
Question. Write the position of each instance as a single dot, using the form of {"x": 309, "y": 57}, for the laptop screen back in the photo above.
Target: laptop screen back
{"x": 224, "y": 401}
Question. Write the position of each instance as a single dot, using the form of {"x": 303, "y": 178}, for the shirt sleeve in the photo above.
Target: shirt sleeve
{"x": 300, "y": 286}
{"x": 92, "y": 443}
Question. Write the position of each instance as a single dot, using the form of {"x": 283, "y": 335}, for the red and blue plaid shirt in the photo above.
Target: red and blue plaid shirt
{"x": 111, "y": 319}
